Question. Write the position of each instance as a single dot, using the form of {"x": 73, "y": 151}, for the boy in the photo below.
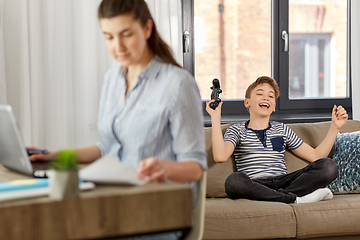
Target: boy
{"x": 259, "y": 146}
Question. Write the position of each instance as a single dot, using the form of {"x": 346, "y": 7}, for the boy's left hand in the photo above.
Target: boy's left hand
{"x": 339, "y": 116}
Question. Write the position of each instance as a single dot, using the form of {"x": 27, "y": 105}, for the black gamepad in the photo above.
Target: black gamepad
{"x": 215, "y": 93}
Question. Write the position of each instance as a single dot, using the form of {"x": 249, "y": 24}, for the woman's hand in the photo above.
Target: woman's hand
{"x": 41, "y": 156}
{"x": 158, "y": 170}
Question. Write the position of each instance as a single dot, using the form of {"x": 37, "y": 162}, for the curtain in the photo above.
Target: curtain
{"x": 2, "y": 60}
{"x": 355, "y": 58}
{"x": 55, "y": 60}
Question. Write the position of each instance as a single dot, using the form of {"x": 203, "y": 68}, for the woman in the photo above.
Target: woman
{"x": 150, "y": 107}
{"x": 148, "y": 100}
{"x": 150, "y": 114}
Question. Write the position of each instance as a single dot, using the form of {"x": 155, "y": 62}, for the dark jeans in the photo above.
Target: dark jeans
{"x": 284, "y": 188}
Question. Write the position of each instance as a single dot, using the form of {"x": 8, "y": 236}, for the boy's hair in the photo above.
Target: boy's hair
{"x": 261, "y": 80}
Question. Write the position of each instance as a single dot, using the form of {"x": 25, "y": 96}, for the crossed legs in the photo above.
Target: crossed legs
{"x": 284, "y": 188}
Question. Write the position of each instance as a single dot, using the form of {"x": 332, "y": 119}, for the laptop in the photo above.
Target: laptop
{"x": 13, "y": 154}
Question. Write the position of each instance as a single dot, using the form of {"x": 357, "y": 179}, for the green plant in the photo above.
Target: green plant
{"x": 65, "y": 160}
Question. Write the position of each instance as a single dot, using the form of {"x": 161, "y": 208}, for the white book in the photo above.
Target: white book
{"x": 36, "y": 192}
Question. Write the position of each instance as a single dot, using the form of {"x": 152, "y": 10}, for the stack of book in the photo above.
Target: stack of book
{"x": 29, "y": 188}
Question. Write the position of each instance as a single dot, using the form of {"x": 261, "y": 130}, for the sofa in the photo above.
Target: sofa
{"x": 225, "y": 218}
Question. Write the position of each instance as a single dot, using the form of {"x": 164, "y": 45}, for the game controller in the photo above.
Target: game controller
{"x": 215, "y": 93}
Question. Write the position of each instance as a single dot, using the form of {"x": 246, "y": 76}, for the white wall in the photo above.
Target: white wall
{"x": 355, "y": 57}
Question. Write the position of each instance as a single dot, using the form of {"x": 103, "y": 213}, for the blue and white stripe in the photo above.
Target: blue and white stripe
{"x": 255, "y": 160}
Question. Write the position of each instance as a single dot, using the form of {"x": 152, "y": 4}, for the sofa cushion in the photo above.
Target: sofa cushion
{"x": 218, "y": 172}
{"x": 246, "y": 219}
{"x": 313, "y": 134}
{"x": 339, "y": 216}
{"x": 347, "y": 158}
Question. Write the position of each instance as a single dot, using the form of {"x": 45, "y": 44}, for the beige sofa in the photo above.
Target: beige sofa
{"x": 225, "y": 218}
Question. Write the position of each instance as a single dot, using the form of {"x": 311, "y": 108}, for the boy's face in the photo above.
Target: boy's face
{"x": 262, "y": 100}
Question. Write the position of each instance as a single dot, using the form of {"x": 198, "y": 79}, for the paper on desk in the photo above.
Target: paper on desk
{"x": 110, "y": 170}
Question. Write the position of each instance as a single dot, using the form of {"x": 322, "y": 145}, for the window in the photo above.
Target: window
{"x": 237, "y": 41}
{"x": 232, "y": 43}
{"x": 309, "y": 66}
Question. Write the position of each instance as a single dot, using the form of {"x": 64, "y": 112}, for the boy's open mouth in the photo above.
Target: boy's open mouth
{"x": 264, "y": 105}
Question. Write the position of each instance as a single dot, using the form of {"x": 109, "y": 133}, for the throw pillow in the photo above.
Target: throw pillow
{"x": 346, "y": 155}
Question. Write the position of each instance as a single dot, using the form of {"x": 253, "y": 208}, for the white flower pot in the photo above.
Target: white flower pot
{"x": 63, "y": 184}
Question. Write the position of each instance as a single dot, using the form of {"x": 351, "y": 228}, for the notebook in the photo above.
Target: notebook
{"x": 13, "y": 154}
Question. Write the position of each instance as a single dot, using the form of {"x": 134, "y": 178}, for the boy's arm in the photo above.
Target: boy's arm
{"x": 221, "y": 150}
{"x": 339, "y": 117}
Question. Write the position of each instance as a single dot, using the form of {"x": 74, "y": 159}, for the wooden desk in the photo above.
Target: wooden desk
{"x": 105, "y": 212}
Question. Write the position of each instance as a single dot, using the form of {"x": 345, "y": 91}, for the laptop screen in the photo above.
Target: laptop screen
{"x": 13, "y": 154}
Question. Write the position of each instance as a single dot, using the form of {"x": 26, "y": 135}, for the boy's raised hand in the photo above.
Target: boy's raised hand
{"x": 339, "y": 116}
{"x": 212, "y": 112}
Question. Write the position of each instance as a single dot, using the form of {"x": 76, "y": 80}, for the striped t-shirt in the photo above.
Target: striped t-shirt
{"x": 254, "y": 158}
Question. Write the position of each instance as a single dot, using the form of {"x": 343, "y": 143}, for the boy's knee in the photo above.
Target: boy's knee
{"x": 332, "y": 169}
{"x": 235, "y": 185}
{"x": 235, "y": 179}
{"x": 329, "y": 169}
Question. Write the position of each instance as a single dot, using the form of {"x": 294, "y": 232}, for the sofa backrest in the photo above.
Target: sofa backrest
{"x": 217, "y": 172}
{"x": 311, "y": 133}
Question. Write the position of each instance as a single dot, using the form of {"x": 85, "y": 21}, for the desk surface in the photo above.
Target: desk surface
{"x": 105, "y": 212}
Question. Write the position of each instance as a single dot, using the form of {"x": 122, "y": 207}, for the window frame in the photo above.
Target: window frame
{"x": 287, "y": 110}
{"x": 280, "y": 22}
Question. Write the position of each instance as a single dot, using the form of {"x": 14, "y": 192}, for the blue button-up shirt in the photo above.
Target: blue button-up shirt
{"x": 160, "y": 117}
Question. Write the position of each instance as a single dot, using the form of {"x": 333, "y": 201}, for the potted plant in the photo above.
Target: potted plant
{"x": 64, "y": 178}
